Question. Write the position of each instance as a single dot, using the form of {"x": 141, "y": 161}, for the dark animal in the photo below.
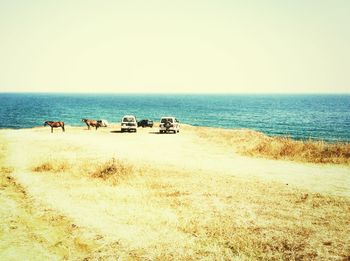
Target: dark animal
{"x": 92, "y": 123}
{"x": 55, "y": 124}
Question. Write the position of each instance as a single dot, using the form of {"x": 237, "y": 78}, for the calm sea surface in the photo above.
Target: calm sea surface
{"x": 325, "y": 117}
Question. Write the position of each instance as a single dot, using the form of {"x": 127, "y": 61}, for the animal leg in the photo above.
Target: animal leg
{"x": 51, "y": 129}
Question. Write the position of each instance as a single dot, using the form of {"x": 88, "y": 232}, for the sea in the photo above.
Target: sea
{"x": 317, "y": 117}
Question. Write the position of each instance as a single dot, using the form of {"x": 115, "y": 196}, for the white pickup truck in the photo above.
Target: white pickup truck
{"x": 169, "y": 124}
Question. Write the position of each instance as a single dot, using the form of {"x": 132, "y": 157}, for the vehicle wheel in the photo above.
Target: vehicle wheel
{"x": 178, "y": 131}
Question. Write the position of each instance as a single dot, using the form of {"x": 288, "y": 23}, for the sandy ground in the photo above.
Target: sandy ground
{"x": 181, "y": 151}
{"x": 138, "y": 216}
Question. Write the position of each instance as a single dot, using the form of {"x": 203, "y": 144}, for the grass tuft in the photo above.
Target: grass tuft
{"x": 112, "y": 171}
{"x": 54, "y": 166}
{"x": 6, "y": 170}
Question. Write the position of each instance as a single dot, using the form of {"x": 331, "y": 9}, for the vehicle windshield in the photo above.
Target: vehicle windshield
{"x": 128, "y": 119}
{"x": 164, "y": 120}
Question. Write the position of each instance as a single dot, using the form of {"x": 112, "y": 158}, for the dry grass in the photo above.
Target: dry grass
{"x": 30, "y": 231}
{"x": 304, "y": 151}
{"x": 54, "y": 166}
{"x": 252, "y": 143}
{"x": 233, "y": 218}
{"x": 183, "y": 215}
{"x": 167, "y": 214}
{"x": 113, "y": 171}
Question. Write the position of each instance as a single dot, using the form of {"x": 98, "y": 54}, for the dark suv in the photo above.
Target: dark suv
{"x": 145, "y": 123}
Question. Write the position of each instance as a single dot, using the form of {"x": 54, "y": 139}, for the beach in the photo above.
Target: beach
{"x": 145, "y": 195}
{"x": 219, "y": 130}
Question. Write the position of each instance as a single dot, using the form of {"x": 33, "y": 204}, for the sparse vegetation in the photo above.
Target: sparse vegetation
{"x": 30, "y": 231}
{"x": 112, "y": 171}
{"x": 252, "y": 143}
{"x": 54, "y": 166}
{"x": 304, "y": 151}
{"x": 191, "y": 216}
{"x": 233, "y": 218}
{"x": 163, "y": 213}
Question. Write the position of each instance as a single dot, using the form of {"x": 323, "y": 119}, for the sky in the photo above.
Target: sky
{"x": 182, "y": 46}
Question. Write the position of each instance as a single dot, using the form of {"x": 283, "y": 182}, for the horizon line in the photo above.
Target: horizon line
{"x": 178, "y": 93}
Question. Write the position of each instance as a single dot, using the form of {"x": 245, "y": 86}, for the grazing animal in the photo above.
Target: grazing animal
{"x": 92, "y": 123}
{"x": 55, "y": 124}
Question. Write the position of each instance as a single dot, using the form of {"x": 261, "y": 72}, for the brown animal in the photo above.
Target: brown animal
{"x": 92, "y": 123}
{"x": 55, "y": 124}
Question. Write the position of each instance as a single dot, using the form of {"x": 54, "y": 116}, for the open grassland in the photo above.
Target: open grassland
{"x": 253, "y": 143}
{"x": 72, "y": 203}
{"x": 164, "y": 214}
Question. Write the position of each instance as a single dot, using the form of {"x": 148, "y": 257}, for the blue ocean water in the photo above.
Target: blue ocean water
{"x": 323, "y": 117}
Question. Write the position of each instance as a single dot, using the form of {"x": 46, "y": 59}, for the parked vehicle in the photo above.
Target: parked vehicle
{"x": 145, "y": 123}
{"x": 128, "y": 123}
{"x": 103, "y": 123}
{"x": 169, "y": 124}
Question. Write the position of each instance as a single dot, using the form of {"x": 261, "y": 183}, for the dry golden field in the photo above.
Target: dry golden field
{"x": 252, "y": 143}
{"x": 103, "y": 195}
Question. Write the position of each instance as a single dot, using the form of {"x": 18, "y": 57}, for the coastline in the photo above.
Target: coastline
{"x": 248, "y": 142}
{"x": 302, "y": 117}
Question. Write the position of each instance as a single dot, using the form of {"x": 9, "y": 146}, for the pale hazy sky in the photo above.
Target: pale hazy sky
{"x": 175, "y": 46}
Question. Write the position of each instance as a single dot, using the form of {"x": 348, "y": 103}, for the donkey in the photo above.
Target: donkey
{"x": 55, "y": 124}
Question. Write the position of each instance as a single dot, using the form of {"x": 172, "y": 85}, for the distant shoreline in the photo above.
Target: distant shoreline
{"x": 302, "y": 117}
{"x": 243, "y": 141}
{"x": 182, "y": 93}
{"x": 117, "y": 125}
